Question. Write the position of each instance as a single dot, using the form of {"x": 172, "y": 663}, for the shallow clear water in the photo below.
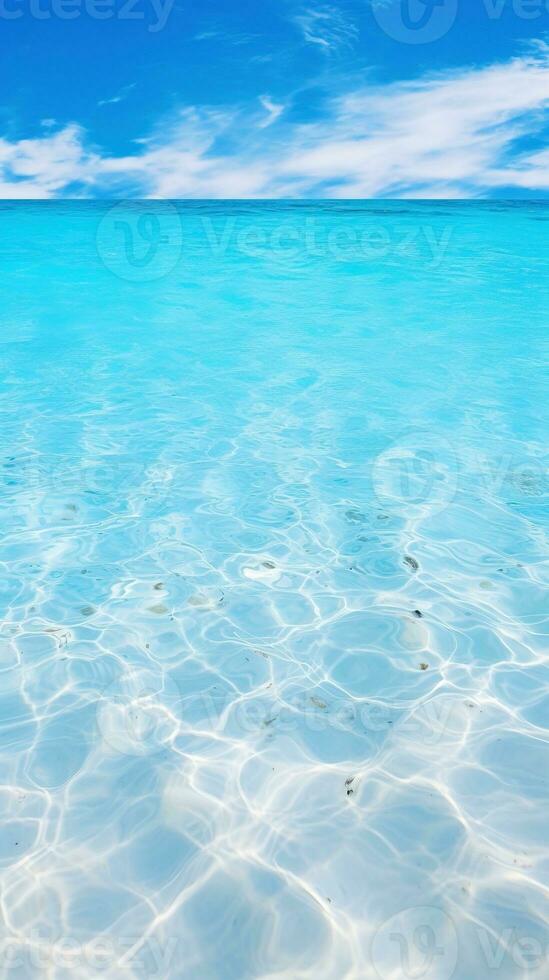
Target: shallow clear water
{"x": 274, "y": 691}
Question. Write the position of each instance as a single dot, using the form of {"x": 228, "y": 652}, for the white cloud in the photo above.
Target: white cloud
{"x": 119, "y": 97}
{"x": 326, "y": 27}
{"x": 456, "y": 134}
{"x": 456, "y": 128}
{"x": 44, "y": 167}
{"x": 529, "y": 170}
{"x": 274, "y": 110}
{"x": 226, "y": 38}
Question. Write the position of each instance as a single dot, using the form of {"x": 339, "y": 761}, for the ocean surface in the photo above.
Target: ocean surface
{"x": 274, "y": 687}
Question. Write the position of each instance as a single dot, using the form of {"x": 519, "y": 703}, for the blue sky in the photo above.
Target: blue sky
{"x": 274, "y": 98}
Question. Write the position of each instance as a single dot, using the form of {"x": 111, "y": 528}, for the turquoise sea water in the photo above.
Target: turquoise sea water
{"x": 274, "y": 690}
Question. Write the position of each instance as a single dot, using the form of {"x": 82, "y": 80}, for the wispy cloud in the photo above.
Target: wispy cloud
{"x": 46, "y": 166}
{"x": 273, "y": 110}
{"x": 456, "y": 134}
{"x": 327, "y": 27}
{"x": 457, "y": 128}
{"x": 529, "y": 170}
{"x": 119, "y": 97}
{"x": 225, "y": 38}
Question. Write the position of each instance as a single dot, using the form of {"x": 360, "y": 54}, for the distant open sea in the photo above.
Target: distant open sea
{"x": 274, "y": 688}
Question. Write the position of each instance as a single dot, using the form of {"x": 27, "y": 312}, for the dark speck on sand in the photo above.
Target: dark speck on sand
{"x": 348, "y": 785}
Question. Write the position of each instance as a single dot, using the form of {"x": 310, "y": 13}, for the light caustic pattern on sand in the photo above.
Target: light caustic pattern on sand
{"x": 274, "y": 690}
